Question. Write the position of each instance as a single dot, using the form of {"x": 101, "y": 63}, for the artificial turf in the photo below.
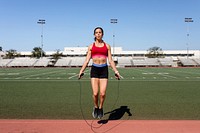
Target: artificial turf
{"x": 148, "y": 93}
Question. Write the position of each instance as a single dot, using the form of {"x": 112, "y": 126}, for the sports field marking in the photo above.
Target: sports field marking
{"x": 3, "y": 74}
{"x": 121, "y": 77}
{"x": 23, "y": 71}
{"x": 71, "y": 73}
{"x": 40, "y": 74}
{"x": 169, "y": 76}
{"x": 183, "y": 71}
{"x": 160, "y": 73}
{"x": 76, "y": 75}
{"x": 164, "y": 74}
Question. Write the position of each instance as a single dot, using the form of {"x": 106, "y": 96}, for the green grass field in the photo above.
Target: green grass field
{"x": 54, "y": 93}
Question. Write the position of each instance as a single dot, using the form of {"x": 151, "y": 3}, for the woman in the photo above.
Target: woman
{"x": 99, "y": 51}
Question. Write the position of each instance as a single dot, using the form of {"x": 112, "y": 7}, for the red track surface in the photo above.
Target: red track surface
{"x": 118, "y": 126}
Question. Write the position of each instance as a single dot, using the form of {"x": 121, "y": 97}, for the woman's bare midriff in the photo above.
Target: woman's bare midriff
{"x": 99, "y": 60}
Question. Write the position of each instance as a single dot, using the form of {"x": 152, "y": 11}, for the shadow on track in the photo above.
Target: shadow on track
{"x": 116, "y": 114}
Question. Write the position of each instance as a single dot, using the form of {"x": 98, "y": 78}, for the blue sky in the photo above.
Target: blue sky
{"x": 69, "y": 23}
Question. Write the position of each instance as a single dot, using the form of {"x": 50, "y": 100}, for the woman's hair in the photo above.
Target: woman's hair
{"x": 96, "y": 29}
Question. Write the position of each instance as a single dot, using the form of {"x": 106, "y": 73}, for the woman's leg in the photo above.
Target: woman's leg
{"x": 103, "y": 86}
{"x": 95, "y": 88}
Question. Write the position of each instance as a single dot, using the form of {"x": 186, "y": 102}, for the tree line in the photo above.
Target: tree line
{"x": 37, "y": 52}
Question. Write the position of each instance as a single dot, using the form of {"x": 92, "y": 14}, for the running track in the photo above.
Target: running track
{"x": 117, "y": 126}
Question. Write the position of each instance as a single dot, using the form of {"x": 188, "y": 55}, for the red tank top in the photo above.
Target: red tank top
{"x": 99, "y": 52}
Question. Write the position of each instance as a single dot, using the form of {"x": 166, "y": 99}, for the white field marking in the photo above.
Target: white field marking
{"x": 154, "y": 77}
{"x": 162, "y": 74}
{"x": 121, "y": 77}
{"x": 76, "y": 75}
{"x": 198, "y": 77}
{"x": 184, "y": 72}
{"x": 133, "y": 77}
{"x": 73, "y": 76}
{"x": 147, "y": 73}
{"x": 168, "y": 76}
{"x": 28, "y": 71}
{"x": 187, "y": 77}
{"x": 143, "y": 77}
{"x": 13, "y": 73}
{"x": 71, "y": 73}
{"x": 9, "y": 74}
{"x": 39, "y": 74}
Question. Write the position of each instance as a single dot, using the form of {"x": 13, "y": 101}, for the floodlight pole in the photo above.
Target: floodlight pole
{"x": 188, "y": 20}
{"x": 42, "y": 22}
{"x": 113, "y": 21}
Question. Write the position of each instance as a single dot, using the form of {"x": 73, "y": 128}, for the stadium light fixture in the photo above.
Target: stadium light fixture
{"x": 113, "y": 21}
{"x": 42, "y": 22}
{"x": 188, "y": 20}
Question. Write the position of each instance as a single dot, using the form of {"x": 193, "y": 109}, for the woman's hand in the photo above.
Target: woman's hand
{"x": 80, "y": 75}
{"x": 117, "y": 75}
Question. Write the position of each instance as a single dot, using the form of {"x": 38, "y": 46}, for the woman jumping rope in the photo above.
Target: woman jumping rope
{"x": 99, "y": 51}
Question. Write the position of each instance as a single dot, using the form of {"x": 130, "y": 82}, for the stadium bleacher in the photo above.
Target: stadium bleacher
{"x": 149, "y": 62}
{"x": 42, "y": 62}
{"x": 166, "y": 61}
{"x": 22, "y": 62}
{"x": 75, "y": 57}
{"x": 63, "y": 62}
{"x": 187, "y": 62}
{"x": 124, "y": 61}
{"x": 77, "y": 61}
{"x": 5, "y": 62}
{"x": 121, "y": 62}
{"x": 197, "y": 61}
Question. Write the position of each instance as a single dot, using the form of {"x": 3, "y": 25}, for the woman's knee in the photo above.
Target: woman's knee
{"x": 95, "y": 94}
{"x": 102, "y": 94}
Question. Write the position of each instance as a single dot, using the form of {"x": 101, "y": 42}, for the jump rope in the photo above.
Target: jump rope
{"x": 100, "y": 125}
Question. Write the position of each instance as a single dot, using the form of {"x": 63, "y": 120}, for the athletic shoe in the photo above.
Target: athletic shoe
{"x": 95, "y": 112}
{"x": 100, "y": 113}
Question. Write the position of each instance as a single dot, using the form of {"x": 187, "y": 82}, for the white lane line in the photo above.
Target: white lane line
{"x": 39, "y": 74}
{"x": 76, "y": 75}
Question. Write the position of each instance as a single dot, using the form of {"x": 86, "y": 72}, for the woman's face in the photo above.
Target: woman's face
{"x": 98, "y": 34}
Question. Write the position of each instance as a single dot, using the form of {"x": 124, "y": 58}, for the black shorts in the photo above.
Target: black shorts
{"x": 99, "y": 72}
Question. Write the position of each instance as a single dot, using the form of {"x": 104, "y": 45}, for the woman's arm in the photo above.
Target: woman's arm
{"x": 111, "y": 62}
{"x": 86, "y": 61}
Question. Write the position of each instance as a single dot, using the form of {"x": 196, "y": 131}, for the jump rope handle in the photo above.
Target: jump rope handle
{"x": 81, "y": 76}
{"x": 118, "y": 78}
